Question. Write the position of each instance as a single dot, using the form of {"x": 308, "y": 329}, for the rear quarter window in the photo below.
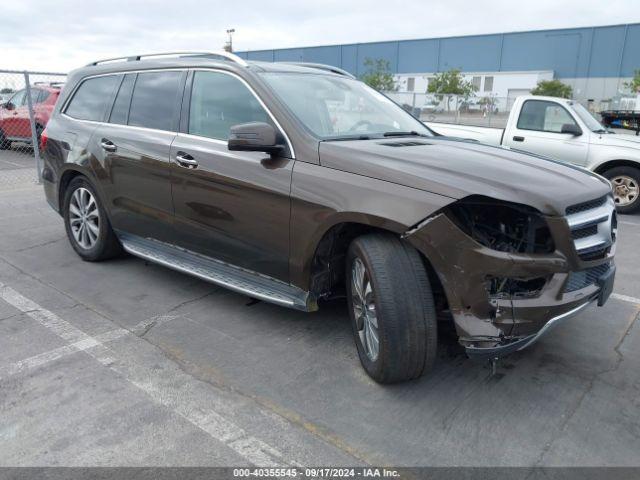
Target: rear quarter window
{"x": 90, "y": 100}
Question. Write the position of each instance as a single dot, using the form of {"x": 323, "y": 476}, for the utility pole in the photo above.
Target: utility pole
{"x": 229, "y": 45}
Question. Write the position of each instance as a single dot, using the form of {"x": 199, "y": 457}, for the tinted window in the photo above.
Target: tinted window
{"x": 42, "y": 96}
{"x": 120, "y": 110}
{"x": 35, "y": 96}
{"x": 17, "y": 99}
{"x": 219, "y": 101}
{"x": 543, "y": 116}
{"x": 90, "y": 101}
{"x": 153, "y": 104}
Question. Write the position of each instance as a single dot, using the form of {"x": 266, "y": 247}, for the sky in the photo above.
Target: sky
{"x": 64, "y": 34}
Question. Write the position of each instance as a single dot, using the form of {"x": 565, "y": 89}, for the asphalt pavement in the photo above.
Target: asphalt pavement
{"x": 124, "y": 363}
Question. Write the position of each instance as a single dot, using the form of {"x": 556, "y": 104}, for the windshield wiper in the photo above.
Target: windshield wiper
{"x": 344, "y": 139}
{"x": 412, "y": 133}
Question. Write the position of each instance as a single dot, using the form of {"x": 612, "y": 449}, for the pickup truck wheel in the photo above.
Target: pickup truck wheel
{"x": 626, "y": 188}
{"x": 391, "y": 308}
{"x": 88, "y": 228}
{"x": 4, "y": 143}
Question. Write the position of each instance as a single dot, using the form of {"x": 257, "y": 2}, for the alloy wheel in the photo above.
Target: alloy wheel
{"x": 364, "y": 309}
{"x": 84, "y": 218}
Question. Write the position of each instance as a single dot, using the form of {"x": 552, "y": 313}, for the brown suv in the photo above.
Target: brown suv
{"x": 293, "y": 184}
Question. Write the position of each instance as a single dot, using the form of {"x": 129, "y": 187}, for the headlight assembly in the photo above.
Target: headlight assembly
{"x": 502, "y": 226}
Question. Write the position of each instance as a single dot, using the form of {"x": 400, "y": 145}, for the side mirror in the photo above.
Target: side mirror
{"x": 571, "y": 129}
{"x": 8, "y": 106}
{"x": 254, "y": 137}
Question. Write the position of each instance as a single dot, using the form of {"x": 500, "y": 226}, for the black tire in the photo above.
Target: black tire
{"x": 404, "y": 306}
{"x": 631, "y": 173}
{"x": 106, "y": 244}
{"x": 4, "y": 143}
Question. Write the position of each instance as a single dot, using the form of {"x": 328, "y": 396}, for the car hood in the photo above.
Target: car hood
{"x": 457, "y": 168}
{"x": 619, "y": 140}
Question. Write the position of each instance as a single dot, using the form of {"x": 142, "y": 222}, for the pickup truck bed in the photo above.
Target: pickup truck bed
{"x": 490, "y": 136}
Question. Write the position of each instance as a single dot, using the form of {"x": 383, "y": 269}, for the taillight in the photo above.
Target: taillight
{"x": 43, "y": 140}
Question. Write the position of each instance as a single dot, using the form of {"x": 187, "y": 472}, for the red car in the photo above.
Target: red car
{"x": 14, "y": 114}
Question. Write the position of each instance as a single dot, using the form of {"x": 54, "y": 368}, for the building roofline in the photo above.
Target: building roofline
{"x": 514, "y": 32}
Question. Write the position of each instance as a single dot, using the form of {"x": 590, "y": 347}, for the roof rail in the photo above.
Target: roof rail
{"x": 134, "y": 58}
{"x": 322, "y": 66}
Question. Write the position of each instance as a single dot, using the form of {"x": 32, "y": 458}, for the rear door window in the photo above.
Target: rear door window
{"x": 154, "y": 100}
{"x": 91, "y": 98}
{"x": 120, "y": 110}
{"x": 44, "y": 94}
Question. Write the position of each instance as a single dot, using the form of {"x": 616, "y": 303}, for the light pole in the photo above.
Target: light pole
{"x": 229, "y": 46}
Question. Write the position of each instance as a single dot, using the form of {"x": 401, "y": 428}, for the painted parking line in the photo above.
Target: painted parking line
{"x": 626, "y": 298}
{"x": 44, "y": 358}
{"x": 166, "y": 393}
{"x": 57, "y": 353}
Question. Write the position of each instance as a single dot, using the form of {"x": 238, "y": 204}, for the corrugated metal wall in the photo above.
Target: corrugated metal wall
{"x": 612, "y": 51}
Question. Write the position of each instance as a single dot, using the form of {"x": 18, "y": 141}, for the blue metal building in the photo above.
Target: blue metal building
{"x": 594, "y": 60}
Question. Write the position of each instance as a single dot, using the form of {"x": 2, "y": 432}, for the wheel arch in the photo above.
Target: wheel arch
{"x": 609, "y": 164}
{"x": 320, "y": 264}
{"x": 67, "y": 175}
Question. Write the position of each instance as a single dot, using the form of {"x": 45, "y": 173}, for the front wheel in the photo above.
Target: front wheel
{"x": 88, "y": 228}
{"x": 391, "y": 308}
{"x": 625, "y": 182}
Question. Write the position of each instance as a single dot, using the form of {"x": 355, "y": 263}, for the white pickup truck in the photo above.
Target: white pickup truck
{"x": 564, "y": 130}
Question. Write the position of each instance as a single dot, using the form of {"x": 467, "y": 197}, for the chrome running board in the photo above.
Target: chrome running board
{"x": 211, "y": 270}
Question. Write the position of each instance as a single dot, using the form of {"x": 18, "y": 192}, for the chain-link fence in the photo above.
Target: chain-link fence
{"x": 486, "y": 111}
{"x": 27, "y": 100}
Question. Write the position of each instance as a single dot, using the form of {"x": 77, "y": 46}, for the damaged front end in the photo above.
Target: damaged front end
{"x": 510, "y": 273}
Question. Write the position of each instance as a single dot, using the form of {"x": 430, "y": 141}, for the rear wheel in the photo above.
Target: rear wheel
{"x": 88, "y": 228}
{"x": 625, "y": 182}
{"x": 391, "y": 308}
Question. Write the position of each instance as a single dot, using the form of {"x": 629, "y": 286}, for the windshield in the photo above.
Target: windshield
{"x": 337, "y": 108}
{"x": 589, "y": 120}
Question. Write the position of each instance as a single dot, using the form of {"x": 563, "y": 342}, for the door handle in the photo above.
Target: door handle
{"x": 108, "y": 145}
{"x": 518, "y": 139}
{"x": 186, "y": 160}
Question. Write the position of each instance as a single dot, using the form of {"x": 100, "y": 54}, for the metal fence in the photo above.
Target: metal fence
{"x": 27, "y": 100}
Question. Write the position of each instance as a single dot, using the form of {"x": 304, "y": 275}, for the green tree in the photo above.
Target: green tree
{"x": 552, "y": 88}
{"x": 634, "y": 84}
{"x": 450, "y": 83}
{"x": 378, "y": 75}
{"x": 6, "y": 90}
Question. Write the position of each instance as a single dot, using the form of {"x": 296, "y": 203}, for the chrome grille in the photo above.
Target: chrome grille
{"x": 581, "y": 207}
{"x": 593, "y": 227}
{"x": 584, "y": 232}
